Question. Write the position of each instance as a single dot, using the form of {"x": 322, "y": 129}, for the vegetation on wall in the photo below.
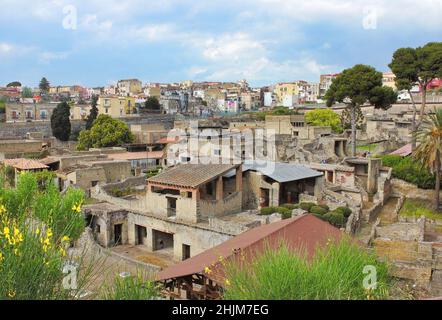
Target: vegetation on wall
{"x": 409, "y": 170}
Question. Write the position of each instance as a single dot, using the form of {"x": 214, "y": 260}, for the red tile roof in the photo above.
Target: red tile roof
{"x": 191, "y": 175}
{"x": 301, "y": 233}
{"x": 167, "y": 140}
{"x": 404, "y": 151}
{"x": 25, "y": 164}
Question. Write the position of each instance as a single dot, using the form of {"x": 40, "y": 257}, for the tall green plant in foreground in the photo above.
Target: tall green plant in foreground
{"x": 36, "y": 228}
{"x": 336, "y": 272}
{"x": 429, "y": 150}
{"x": 131, "y": 288}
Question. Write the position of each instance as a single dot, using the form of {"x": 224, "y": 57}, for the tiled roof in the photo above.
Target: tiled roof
{"x": 167, "y": 140}
{"x": 301, "y": 233}
{"x": 137, "y": 155}
{"x": 404, "y": 151}
{"x": 25, "y": 164}
{"x": 191, "y": 175}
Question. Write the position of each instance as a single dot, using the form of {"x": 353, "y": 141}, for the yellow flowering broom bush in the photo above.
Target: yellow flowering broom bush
{"x": 36, "y": 228}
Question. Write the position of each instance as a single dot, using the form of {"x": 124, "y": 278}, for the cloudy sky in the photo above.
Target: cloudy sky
{"x": 97, "y": 42}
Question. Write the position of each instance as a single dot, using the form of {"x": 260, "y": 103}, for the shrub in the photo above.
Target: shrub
{"x": 409, "y": 170}
{"x": 345, "y": 211}
{"x": 326, "y": 207}
{"x": 291, "y": 206}
{"x": 318, "y": 210}
{"x": 284, "y": 212}
{"x": 267, "y": 211}
{"x": 334, "y": 273}
{"x": 306, "y": 205}
{"x": 335, "y": 218}
{"x": 37, "y": 227}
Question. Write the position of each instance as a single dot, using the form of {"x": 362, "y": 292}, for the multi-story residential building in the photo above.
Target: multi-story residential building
{"x": 325, "y": 83}
{"x": 312, "y": 92}
{"x": 388, "y": 79}
{"x": 290, "y": 93}
{"x": 80, "y": 111}
{"x": 129, "y": 87}
{"x": 251, "y": 100}
{"x": 152, "y": 91}
{"x": 29, "y": 112}
{"x": 269, "y": 99}
{"x": 117, "y": 107}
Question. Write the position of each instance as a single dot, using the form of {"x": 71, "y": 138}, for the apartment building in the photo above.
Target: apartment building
{"x": 129, "y": 87}
{"x": 117, "y": 106}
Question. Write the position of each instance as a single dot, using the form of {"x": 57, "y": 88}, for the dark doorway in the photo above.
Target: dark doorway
{"x": 265, "y": 195}
{"x": 186, "y": 252}
{"x": 171, "y": 207}
{"x": 118, "y": 233}
{"x": 162, "y": 240}
{"x": 330, "y": 176}
{"x": 140, "y": 235}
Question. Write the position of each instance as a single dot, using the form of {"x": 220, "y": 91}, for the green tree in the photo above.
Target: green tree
{"x": 44, "y": 85}
{"x": 93, "y": 114}
{"x": 357, "y": 86}
{"x": 105, "y": 132}
{"x": 324, "y": 117}
{"x": 14, "y": 84}
{"x": 151, "y": 105}
{"x": 429, "y": 150}
{"x": 417, "y": 66}
{"x": 27, "y": 92}
{"x": 60, "y": 121}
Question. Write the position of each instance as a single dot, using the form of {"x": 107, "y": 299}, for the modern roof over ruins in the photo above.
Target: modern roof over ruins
{"x": 191, "y": 175}
{"x": 279, "y": 171}
{"x": 301, "y": 233}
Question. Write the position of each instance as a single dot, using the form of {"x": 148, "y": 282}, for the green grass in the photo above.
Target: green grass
{"x": 334, "y": 273}
{"x": 417, "y": 208}
{"x": 368, "y": 147}
{"x": 131, "y": 288}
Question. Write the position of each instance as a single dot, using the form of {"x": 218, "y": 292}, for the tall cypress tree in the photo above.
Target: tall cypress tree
{"x": 93, "y": 113}
{"x": 60, "y": 122}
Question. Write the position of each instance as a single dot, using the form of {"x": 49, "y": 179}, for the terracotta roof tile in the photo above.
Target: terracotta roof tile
{"x": 191, "y": 175}
{"x": 25, "y": 164}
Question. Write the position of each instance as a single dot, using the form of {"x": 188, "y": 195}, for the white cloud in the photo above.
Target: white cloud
{"x": 239, "y": 55}
{"x": 5, "y": 48}
{"x": 48, "y": 56}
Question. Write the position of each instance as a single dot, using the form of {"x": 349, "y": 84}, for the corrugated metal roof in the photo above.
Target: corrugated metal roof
{"x": 280, "y": 171}
{"x": 191, "y": 175}
{"x": 301, "y": 233}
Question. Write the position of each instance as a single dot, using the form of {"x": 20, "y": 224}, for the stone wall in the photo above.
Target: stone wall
{"x": 19, "y": 130}
{"x": 412, "y": 191}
